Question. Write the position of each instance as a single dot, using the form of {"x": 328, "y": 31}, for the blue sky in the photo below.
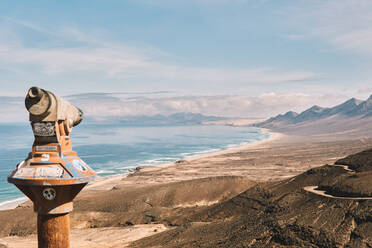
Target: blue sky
{"x": 319, "y": 50}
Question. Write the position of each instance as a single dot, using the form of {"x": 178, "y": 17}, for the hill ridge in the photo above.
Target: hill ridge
{"x": 354, "y": 113}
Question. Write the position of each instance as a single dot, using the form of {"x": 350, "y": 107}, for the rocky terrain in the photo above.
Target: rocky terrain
{"x": 127, "y": 206}
{"x": 279, "y": 214}
{"x": 356, "y": 183}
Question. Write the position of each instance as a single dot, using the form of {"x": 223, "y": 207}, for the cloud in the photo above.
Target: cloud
{"x": 295, "y": 36}
{"x": 345, "y": 24}
{"x": 86, "y": 55}
{"x": 365, "y": 90}
{"x": 105, "y": 105}
{"x": 179, "y": 3}
{"x": 12, "y": 109}
{"x": 262, "y": 106}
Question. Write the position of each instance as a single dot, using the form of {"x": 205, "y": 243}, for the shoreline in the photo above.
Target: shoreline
{"x": 153, "y": 199}
{"x": 273, "y": 136}
{"x": 104, "y": 182}
{"x": 239, "y": 147}
{"x": 12, "y": 204}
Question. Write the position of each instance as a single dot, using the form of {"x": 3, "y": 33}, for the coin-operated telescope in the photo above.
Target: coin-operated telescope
{"x": 52, "y": 174}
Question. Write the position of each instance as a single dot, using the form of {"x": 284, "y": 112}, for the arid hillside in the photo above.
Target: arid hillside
{"x": 280, "y": 214}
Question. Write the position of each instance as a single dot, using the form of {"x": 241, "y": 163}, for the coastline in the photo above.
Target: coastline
{"x": 110, "y": 182}
{"x": 273, "y": 137}
{"x": 154, "y": 200}
{"x": 107, "y": 182}
{"x": 11, "y": 204}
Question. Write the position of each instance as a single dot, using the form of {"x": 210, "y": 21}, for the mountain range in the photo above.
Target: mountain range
{"x": 352, "y": 117}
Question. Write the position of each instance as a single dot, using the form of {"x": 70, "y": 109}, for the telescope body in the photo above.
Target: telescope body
{"x": 52, "y": 174}
{"x": 43, "y": 107}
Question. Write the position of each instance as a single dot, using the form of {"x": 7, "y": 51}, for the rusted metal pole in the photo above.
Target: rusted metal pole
{"x": 53, "y": 231}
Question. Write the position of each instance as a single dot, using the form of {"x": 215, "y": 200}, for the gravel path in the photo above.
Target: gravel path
{"x": 314, "y": 190}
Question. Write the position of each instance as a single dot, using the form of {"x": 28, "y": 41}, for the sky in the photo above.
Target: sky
{"x": 290, "y": 54}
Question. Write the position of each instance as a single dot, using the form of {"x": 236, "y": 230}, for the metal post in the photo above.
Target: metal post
{"x": 53, "y": 230}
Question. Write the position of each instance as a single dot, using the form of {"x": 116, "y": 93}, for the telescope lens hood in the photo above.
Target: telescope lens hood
{"x": 37, "y": 101}
{"x": 35, "y": 92}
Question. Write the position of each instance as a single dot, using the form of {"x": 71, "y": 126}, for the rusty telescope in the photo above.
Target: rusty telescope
{"x": 52, "y": 174}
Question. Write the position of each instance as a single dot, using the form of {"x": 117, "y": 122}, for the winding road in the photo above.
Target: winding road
{"x": 312, "y": 189}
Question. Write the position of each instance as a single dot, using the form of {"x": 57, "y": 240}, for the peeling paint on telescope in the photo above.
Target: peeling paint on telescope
{"x": 52, "y": 174}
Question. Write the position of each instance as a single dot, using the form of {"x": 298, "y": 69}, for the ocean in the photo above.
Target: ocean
{"x": 112, "y": 149}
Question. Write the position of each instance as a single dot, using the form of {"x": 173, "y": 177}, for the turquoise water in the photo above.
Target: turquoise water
{"x": 113, "y": 149}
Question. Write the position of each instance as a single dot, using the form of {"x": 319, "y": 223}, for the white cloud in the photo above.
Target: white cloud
{"x": 111, "y": 60}
{"x": 12, "y": 109}
{"x": 345, "y": 24}
{"x": 118, "y": 62}
{"x": 101, "y": 105}
{"x": 295, "y": 36}
{"x": 180, "y": 3}
{"x": 365, "y": 90}
{"x": 263, "y": 106}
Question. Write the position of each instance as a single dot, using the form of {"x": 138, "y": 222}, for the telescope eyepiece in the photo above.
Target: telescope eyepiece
{"x": 37, "y": 101}
{"x": 35, "y": 92}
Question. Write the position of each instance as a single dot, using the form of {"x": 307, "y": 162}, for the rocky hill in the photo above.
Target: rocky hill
{"x": 281, "y": 214}
{"x": 351, "y": 117}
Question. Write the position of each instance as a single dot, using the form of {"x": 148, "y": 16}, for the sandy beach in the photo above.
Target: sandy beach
{"x": 153, "y": 199}
{"x": 108, "y": 182}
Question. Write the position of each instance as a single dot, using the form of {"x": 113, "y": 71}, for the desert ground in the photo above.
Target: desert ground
{"x": 154, "y": 200}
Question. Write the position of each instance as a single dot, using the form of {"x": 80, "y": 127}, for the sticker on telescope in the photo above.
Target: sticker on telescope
{"x": 45, "y": 171}
{"x": 49, "y": 171}
{"x": 49, "y": 194}
{"x": 25, "y": 172}
{"x": 79, "y": 165}
{"x": 46, "y": 148}
{"x": 44, "y": 129}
